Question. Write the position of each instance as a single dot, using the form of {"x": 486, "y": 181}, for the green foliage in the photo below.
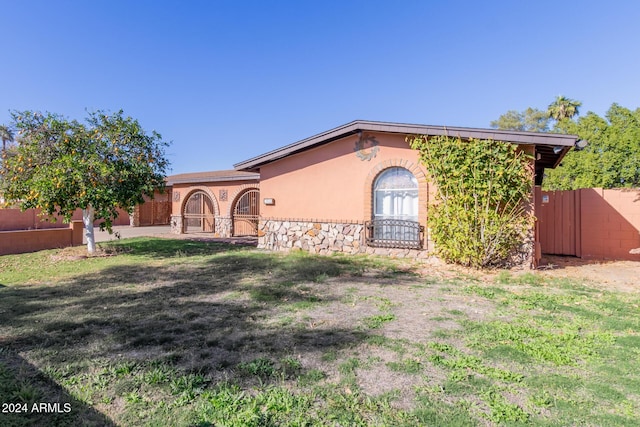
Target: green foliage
{"x": 261, "y": 367}
{"x": 502, "y": 411}
{"x": 479, "y": 218}
{"x": 6, "y": 135}
{"x": 531, "y": 120}
{"x": 59, "y": 165}
{"x": 612, "y": 158}
{"x": 563, "y": 108}
{"x": 376, "y": 322}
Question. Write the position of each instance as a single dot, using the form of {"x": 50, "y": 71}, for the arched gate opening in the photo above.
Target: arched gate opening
{"x": 246, "y": 212}
{"x": 199, "y": 214}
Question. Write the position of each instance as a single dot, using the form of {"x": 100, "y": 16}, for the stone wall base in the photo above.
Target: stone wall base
{"x": 222, "y": 225}
{"x": 323, "y": 238}
{"x": 176, "y": 224}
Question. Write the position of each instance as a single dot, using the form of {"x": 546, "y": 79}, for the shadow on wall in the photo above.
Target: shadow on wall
{"x": 610, "y": 224}
{"x": 590, "y": 223}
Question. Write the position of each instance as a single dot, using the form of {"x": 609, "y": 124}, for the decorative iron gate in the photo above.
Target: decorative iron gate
{"x": 199, "y": 215}
{"x": 246, "y": 213}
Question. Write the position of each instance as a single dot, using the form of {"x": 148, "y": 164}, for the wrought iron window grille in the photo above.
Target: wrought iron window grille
{"x": 394, "y": 233}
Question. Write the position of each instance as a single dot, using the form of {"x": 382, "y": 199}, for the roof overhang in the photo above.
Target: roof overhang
{"x": 551, "y": 147}
{"x": 213, "y": 176}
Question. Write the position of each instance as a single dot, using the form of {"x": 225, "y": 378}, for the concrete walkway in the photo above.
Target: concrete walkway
{"x": 125, "y": 231}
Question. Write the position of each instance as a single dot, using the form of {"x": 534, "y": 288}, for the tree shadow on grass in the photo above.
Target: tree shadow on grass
{"x": 30, "y": 398}
{"x": 197, "y": 314}
{"x": 165, "y": 248}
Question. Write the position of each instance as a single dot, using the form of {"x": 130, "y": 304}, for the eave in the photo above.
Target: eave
{"x": 544, "y": 142}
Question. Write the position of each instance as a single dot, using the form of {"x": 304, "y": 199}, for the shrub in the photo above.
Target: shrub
{"x": 480, "y": 217}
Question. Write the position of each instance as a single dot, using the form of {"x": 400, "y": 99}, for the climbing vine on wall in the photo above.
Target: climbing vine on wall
{"x": 481, "y": 215}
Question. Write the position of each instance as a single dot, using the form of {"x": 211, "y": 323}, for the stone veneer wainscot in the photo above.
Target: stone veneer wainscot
{"x": 322, "y": 237}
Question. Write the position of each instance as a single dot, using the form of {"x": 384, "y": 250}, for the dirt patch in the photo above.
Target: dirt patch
{"x": 614, "y": 275}
{"x": 74, "y": 253}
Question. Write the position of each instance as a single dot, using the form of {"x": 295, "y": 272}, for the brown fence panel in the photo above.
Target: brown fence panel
{"x": 162, "y": 213}
{"x": 558, "y": 218}
{"x": 156, "y": 211}
{"x": 145, "y": 213}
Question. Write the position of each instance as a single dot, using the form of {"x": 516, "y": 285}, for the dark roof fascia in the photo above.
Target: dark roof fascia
{"x": 202, "y": 179}
{"x": 561, "y": 156}
{"x": 516, "y": 137}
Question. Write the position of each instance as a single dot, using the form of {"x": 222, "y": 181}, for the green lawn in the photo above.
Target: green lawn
{"x": 182, "y": 333}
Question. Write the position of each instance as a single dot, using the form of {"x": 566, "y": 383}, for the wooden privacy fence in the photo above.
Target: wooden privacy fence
{"x": 156, "y": 211}
{"x": 590, "y": 223}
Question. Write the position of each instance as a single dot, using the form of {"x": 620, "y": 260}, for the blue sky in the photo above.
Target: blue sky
{"x": 228, "y": 80}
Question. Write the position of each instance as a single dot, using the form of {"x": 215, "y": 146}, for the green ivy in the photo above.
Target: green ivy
{"x": 480, "y": 216}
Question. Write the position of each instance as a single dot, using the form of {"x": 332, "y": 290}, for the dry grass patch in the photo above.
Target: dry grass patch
{"x": 196, "y": 333}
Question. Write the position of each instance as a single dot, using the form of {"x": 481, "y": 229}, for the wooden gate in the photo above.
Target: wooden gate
{"x": 558, "y": 214}
{"x": 156, "y": 211}
{"x": 246, "y": 213}
{"x": 199, "y": 215}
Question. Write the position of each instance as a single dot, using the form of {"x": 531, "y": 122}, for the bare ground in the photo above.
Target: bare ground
{"x": 615, "y": 275}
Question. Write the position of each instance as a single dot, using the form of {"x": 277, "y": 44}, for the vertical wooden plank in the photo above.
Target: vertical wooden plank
{"x": 578, "y": 222}
{"x": 572, "y": 224}
{"x": 542, "y": 220}
{"x": 557, "y": 222}
{"x": 566, "y": 222}
{"x": 549, "y": 244}
{"x": 551, "y": 214}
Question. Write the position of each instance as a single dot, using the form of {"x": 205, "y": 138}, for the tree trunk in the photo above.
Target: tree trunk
{"x": 87, "y": 219}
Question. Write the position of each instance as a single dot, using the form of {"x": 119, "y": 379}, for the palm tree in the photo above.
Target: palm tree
{"x": 563, "y": 108}
{"x": 6, "y": 134}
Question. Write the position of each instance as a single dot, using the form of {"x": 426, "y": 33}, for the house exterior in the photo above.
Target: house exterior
{"x": 360, "y": 188}
{"x": 224, "y": 203}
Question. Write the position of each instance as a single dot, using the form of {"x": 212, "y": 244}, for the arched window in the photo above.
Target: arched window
{"x": 395, "y": 195}
{"x": 395, "y": 211}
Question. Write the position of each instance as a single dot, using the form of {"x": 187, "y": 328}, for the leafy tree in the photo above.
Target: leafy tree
{"x": 531, "y": 120}
{"x": 610, "y": 160}
{"x": 612, "y": 156}
{"x": 6, "y": 134}
{"x": 60, "y": 165}
{"x": 563, "y": 108}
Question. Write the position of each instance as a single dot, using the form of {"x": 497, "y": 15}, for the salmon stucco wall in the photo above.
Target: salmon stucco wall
{"x": 610, "y": 223}
{"x": 21, "y": 241}
{"x": 223, "y": 194}
{"x": 333, "y": 182}
{"x": 330, "y": 187}
{"x": 31, "y": 219}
